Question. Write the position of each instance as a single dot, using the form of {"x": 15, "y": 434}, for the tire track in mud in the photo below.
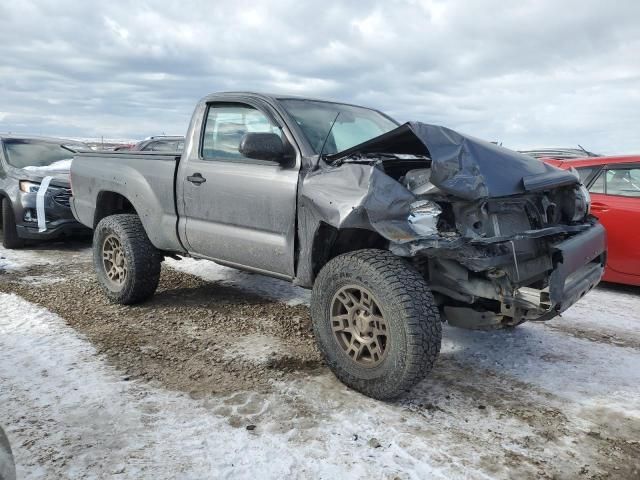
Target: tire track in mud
{"x": 228, "y": 347}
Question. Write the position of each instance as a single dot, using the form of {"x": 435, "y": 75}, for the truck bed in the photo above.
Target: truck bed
{"x": 146, "y": 179}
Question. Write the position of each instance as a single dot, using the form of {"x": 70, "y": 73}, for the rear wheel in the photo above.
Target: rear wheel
{"x": 126, "y": 262}
{"x": 375, "y": 322}
{"x": 10, "y": 238}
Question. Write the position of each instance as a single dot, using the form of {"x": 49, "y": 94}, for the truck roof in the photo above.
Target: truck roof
{"x": 273, "y": 97}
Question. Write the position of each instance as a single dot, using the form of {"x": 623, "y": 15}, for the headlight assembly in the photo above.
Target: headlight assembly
{"x": 582, "y": 204}
{"x": 423, "y": 217}
{"x": 29, "y": 187}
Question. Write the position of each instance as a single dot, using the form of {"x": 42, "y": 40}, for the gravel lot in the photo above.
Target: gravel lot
{"x": 218, "y": 377}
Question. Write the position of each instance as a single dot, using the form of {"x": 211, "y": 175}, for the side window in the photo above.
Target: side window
{"x": 624, "y": 182}
{"x": 225, "y": 126}
{"x": 584, "y": 173}
{"x": 598, "y": 185}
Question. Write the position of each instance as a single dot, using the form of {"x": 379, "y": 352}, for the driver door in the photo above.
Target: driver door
{"x": 239, "y": 210}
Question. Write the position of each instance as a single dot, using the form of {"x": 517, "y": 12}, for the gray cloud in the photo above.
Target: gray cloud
{"x": 539, "y": 73}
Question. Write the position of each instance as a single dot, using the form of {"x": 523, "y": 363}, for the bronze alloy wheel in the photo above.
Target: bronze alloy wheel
{"x": 358, "y": 325}
{"x": 113, "y": 260}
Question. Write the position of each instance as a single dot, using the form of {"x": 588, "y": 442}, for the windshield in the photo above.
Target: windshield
{"x": 36, "y": 153}
{"x": 353, "y": 126}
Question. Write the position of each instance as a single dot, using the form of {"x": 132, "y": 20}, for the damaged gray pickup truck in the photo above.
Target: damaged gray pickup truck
{"x": 395, "y": 227}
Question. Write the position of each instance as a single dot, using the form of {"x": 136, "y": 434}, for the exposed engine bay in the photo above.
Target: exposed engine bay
{"x": 500, "y": 238}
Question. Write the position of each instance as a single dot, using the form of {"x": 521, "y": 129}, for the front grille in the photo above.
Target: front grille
{"x": 62, "y": 197}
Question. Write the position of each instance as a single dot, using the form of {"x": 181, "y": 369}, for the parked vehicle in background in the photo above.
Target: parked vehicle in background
{"x": 614, "y": 186}
{"x": 32, "y": 167}
{"x": 559, "y": 153}
{"x": 162, "y": 143}
{"x": 391, "y": 229}
{"x": 126, "y": 146}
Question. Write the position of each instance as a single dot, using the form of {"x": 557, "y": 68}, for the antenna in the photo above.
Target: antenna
{"x": 327, "y": 137}
{"x": 582, "y": 148}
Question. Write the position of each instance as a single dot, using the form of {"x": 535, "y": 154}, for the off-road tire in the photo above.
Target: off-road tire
{"x": 142, "y": 259}
{"x": 409, "y": 310}
{"x": 10, "y": 238}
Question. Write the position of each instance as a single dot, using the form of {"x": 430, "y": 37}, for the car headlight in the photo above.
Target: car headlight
{"x": 583, "y": 204}
{"x": 423, "y": 217}
{"x": 29, "y": 187}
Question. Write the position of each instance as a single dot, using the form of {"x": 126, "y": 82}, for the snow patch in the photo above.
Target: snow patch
{"x": 12, "y": 260}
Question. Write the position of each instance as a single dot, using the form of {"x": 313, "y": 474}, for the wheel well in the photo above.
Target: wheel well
{"x": 109, "y": 203}
{"x": 329, "y": 242}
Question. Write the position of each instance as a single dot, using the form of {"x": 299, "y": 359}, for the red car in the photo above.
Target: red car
{"x": 614, "y": 185}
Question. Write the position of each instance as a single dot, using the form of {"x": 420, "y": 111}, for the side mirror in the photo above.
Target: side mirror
{"x": 262, "y": 146}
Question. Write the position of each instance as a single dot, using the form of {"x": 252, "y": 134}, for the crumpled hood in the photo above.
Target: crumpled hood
{"x": 464, "y": 166}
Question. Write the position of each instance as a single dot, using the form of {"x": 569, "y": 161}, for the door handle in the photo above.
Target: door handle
{"x": 600, "y": 207}
{"x": 196, "y": 179}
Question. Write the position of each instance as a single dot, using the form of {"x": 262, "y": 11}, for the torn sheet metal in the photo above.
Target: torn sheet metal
{"x": 464, "y": 166}
{"x": 40, "y": 197}
{"x": 358, "y": 196}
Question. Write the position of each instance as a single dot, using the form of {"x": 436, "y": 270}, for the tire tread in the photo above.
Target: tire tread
{"x": 412, "y": 299}
{"x": 143, "y": 257}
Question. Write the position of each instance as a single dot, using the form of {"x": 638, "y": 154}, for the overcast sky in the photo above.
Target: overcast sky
{"x": 529, "y": 74}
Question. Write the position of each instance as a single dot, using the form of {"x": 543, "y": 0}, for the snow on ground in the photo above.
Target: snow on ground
{"x": 11, "y": 260}
{"x": 540, "y": 398}
{"x": 49, "y": 254}
{"x": 609, "y": 311}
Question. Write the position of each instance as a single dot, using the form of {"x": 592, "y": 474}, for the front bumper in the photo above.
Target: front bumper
{"x": 58, "y": 216}
{"x": 67, "y": 228}
{"x": 572, "y": 267}
{"x": 578, "y": 267}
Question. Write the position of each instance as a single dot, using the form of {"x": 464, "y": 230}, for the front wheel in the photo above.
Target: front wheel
{"x": 376, "y": 322}
{"x": 126, "y": 262}
{"x": 10, "y": 238}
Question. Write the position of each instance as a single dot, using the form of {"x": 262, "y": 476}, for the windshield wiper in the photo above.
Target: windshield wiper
{"x": 67, "y": 148}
